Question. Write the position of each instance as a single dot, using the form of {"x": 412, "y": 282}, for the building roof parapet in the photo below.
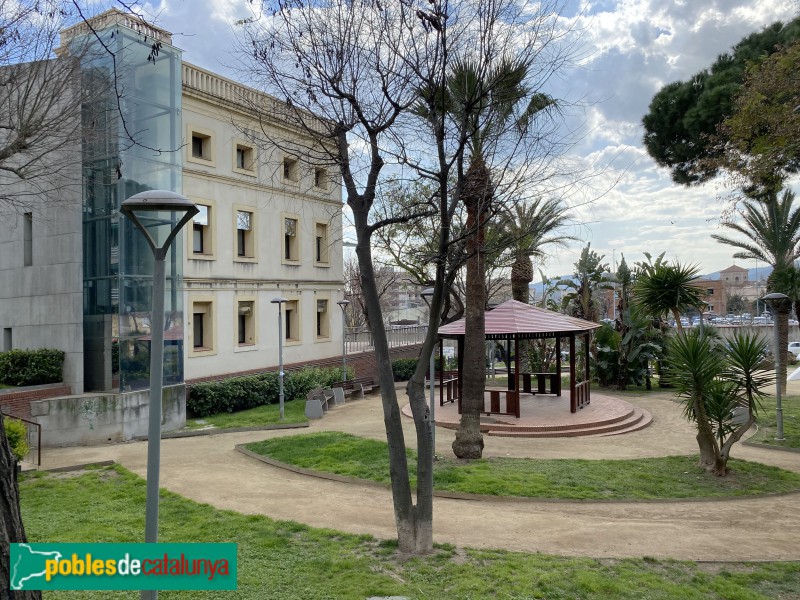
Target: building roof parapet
{"x": 113, "y": 17}
{"x": 205, "y": 83}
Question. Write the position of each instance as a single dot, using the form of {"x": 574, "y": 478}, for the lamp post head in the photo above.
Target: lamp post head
{"x": 278, "y": 300}
{"x": 152, "y": 201}
{"x": 427, "y": 292}
{"x": 343, "y": 304}
{"x": 775, "y": 297}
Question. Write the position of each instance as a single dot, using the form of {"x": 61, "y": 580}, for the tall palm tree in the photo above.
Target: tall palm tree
{"x": 490, "y": 102}
{"x": 664, "y": 288}
{"x": 771, "y": 233}
{"x": 527, "y": 228}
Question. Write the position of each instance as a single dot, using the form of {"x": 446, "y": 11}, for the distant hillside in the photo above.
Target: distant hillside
{"x": 762, "y": 272}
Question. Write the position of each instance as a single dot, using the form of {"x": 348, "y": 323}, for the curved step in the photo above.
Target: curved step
{"x": 638, "y": 419}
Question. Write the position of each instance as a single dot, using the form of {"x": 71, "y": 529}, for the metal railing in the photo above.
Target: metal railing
{"x": 360, "y": 340}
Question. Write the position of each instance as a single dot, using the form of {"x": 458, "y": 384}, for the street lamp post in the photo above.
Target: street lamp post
{"x": 150, "y": 202}
{"x": 426, "y": 294}
{"x": 280, "y": 302}
{"x": 773, "y": 299}
{"x": 343, "y": 305}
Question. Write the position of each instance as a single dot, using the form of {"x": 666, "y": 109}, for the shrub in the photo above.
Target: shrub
{"x": 31, "y": 367}
{"x": 240, "y": 393}
{"x": 403, "y": 368}
{"x": 17, "y": 435}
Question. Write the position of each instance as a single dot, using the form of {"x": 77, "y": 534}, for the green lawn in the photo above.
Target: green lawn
{"x": 280, "y": 559}
{"x": 767, "y": 422}
{"x": 269, "y": 414}
{"x": 646, "y": 478}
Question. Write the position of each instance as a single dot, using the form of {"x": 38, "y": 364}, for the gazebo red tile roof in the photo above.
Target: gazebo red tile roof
{"x": 514, "y": 319}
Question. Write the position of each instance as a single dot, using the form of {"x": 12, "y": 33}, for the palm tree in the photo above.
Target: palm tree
{"x": 664, "y": 288}
{"x": 488, "y": 102}
{"x": 590, "y": 275}
{"x": 771, "y": 231}
{"x": 527, "y": 228}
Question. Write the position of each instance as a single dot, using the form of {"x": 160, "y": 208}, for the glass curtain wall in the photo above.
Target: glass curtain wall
{"x": 133, "y": 124}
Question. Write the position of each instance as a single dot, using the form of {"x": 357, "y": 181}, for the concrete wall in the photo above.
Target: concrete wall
{"x": 93, "y": 419}
{"x": 41, "y": 303}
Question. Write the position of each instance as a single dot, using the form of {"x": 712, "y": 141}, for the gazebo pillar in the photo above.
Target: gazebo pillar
{"x": 573, "y": 398}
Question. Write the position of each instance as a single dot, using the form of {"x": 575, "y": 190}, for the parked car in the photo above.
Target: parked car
{"x": 794, "y": 348}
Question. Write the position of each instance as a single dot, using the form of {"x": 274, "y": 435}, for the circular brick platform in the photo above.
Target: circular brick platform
{"x": 549, "y": 416}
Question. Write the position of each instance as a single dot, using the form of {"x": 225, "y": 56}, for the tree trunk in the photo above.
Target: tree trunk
{"x": 469, "y": 439}
{"x": 12, "y": 530}
{"x": 781, "y": 311}
{"x": 521, "y": 277}
{"x": 706, "y": 442}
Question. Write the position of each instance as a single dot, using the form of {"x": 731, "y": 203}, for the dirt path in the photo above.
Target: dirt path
{"x": 208, "y": 469}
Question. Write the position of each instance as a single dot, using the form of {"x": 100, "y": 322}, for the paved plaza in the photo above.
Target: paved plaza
{"x": 208, "y": 469}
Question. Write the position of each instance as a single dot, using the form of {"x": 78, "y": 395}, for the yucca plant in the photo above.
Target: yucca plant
{"x": 713, "y": 381}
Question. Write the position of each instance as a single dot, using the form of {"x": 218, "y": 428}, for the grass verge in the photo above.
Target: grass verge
{"x": 269, "y": 414}
{"x": 281, "y": 559}
{"x": 569, "y": 479}
{"x": 768, "y": 423}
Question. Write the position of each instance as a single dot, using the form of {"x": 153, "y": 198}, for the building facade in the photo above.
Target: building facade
{"x": 77, "y": 277}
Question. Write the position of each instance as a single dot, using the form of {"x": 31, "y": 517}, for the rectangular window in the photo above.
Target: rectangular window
{"x": 321, "y": 178}
{"x": 201, "y": 146}
{"x": 201, "y": 231}
{"x": 245, "y": 323}
{"x": 244, "y": 234}
{"x": 244, "y": 157}
{"x": 27, "y": 227}
{"x": 291, "y": 169}
{"x": 710, "y": 291}
{"x": 290, "y": 247}
{"x": 8, "y": 343}
{"x": 291, "y": 325}
{"x": 202, "y": 326}
{"x": 321, "y": 243}
{"x": 197, "y": 330}
{"x": 323, "y": 328}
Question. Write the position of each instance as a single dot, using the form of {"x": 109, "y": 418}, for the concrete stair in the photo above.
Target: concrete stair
{"x": 634, "y": 420}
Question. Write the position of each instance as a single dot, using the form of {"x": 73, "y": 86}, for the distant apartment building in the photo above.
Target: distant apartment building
{"x": 78, "y": 277}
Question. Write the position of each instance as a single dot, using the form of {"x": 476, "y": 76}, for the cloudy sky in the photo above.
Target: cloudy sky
{"x": 631, "y": 48}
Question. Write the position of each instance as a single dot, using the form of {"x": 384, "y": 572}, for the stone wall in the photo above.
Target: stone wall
{"x": 100, "y": 418}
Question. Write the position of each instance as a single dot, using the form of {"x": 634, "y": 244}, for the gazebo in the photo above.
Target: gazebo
{"x": 515, "y": 321}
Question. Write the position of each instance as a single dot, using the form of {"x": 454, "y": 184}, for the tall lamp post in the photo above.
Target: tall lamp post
{"x": 280, "y": 302}
{"x": 150, "y": 203}
{"x": 773, "y": 299}
{"x": 343, "y": 305}
{"x": 426, "y": 294}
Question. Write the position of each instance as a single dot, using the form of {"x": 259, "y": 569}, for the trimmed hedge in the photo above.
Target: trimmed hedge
{"x": 403, "y": 368}
{"x": 240, "y": 393}
{"x": 31, "y": 367}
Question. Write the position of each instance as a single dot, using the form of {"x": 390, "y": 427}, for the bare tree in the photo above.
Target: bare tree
{"x": 385, "y": 278}
{"x": 40, "y": 109}
{"x": 362, "y": 82}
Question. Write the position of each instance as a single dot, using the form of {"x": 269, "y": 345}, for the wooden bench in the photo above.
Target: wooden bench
{"x": 345, "y": 386}
{"x": 316, "y": 404}
{"x": 364, "y": 385}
